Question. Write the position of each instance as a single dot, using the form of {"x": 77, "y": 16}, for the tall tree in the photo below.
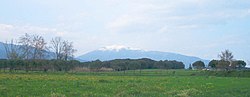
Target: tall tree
{"x": 68, "y": 50}
{"x": 26, "y": 49}
{"x": 39, "y": 45}
{"x": 63, "y": 49}
{"x": 57, "y": 47}
{"x": 226, "y": 55}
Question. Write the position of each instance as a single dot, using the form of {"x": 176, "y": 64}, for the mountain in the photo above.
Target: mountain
{"x": 49, "y": 55}
{"x": 2, "y": 51}
{"x": 122, "y": 52}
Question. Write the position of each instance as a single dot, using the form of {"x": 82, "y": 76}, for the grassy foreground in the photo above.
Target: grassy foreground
{"x": 115, "y": 84}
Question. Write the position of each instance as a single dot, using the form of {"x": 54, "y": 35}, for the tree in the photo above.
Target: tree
{"x": 26, "y": 46}
{"x": 63, "y": 49}
{"x": 32, "y": 46}
{"x": 97, "y": 64}
{"x": 223, "y": 65}
{"x": 198, "y": 65}
{"x": 226, "y": 55}
{"x": 168, "y": 64}
{"x": 241, "y": 63}
{"x": 12, "y": 50}
{"x": 213, "y": 63}
{"x": 39, "y": 46}
{"x": 68, "y": 50}
{"x": 57, "y": 47}
{"x": 3, "y": 64}
{"x": 238, "y": 64}
{"x": 177, "y": 65}
{"x": 160, "y": 64}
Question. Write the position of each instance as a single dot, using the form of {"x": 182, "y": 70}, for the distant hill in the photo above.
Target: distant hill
{"x": 3, "y": 52}
{"x": 121, "y": 52}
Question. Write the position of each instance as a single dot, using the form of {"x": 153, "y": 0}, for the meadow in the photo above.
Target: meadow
{"x": 145, "y": 83}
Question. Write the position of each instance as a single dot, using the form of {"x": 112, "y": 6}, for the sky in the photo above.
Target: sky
{"x": 201, "y": 28}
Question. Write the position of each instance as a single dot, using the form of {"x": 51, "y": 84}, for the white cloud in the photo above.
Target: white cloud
{"x": 73, "y": 21}
{"x": 183, "y": 14}
{"x": 125, "y": 21}
{"x": 162, "y": 25}
{"x": 5, "y": 27}
{"x": 8, "y": 31}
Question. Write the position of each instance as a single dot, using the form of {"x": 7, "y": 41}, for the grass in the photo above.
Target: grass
{"x": 150, "y": 83}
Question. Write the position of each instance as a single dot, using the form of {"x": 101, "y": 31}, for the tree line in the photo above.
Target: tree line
{"x": 13, "y": 65}
{"x": 71, "y": 65}
{"x": 134, "y": 64}
{"x": 226, "y": 62}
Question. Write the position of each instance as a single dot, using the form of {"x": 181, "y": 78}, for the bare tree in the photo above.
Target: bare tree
{"x": 226, "y": 55}
{"x": 63, "y": 49}
{"x": 12, "y": 50}
{"x": 57, "y": 47}
{"x": 68, "y": 50}
{"x": 26, "y": 43}
{"x": 32, "y": 46}
{"x": 39, "y": 46}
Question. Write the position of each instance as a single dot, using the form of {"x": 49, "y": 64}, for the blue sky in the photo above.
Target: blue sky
{"x": 201, "y": 28}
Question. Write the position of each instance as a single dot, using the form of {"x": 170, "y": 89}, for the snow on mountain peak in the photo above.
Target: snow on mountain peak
{"x": 116, "y": 48}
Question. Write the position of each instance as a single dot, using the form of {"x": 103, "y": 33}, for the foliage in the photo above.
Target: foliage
{"x": 62, "y": 65}
{"x": 238, "y": 64}
{"x": 198, "y": 65}
{"x": 38, "y": 65}
{"x": 133, "y": 64}
{"x": 225, "y": 65}
{"x": 212, "y": 63}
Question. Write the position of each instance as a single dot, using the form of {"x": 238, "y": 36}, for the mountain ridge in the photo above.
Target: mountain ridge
{"x": 3, "y": 55}
{"x": 123, "y": 52}
{"x": 2, "y": 51}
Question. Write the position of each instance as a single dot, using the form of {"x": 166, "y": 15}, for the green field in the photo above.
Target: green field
{"x": 146, "y": 83}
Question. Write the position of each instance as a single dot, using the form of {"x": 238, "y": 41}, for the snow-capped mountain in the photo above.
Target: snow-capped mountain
{"x": 116, "y": 48}
{"x": 123, "y": 52}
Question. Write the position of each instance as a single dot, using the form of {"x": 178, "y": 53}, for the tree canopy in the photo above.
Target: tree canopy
{"x": 198, "y": 65}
